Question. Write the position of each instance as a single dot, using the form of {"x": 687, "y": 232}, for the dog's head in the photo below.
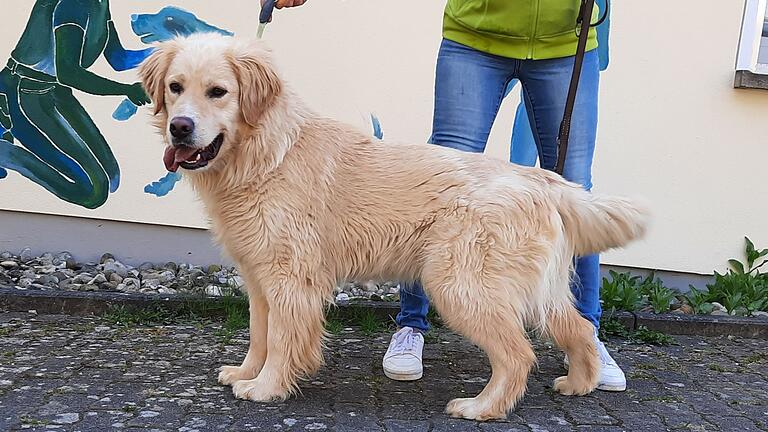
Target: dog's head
{"x": 168, "y": 23}
{"x": 208, "y": 91}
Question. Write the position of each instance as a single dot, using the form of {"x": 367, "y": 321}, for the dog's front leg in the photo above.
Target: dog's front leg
{"x": 294, "y": 342}
{"x": 257, "y": 349}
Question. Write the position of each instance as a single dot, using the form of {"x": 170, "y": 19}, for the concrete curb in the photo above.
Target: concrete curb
{"x": 704, "y": 325}
{"x": 696, "y": 325}
{"x": 96, "y": 303}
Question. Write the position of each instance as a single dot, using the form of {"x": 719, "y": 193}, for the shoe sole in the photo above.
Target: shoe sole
{"x": 606, "y": 387}
{"x": 612, "y": 388}
{"x": 403, "y": 377}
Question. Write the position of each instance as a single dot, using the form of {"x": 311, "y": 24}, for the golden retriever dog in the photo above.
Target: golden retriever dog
{"x": 301, "y": 202}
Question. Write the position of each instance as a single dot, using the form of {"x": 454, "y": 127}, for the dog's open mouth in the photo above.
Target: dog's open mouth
{"x": 191, "y": 158}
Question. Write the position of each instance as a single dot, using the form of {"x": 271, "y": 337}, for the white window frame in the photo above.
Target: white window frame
{"x": 749, "y": 41}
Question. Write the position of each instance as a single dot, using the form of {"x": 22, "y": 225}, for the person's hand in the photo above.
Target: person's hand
{"x": 135, "y": 92}
{"x": 279, "y": 4}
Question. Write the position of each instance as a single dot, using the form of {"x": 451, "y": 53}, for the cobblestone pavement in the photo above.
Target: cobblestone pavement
{"x": 81, "y": 374}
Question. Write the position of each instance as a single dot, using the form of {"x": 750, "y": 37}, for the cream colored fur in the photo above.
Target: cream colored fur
{"x": 301, "y": 202}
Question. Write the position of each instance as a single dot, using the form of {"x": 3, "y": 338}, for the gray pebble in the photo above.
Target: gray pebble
{"x": 72, "y": 264}
{"x": 236, "y": 282}
{"x": 48, "y": 280}
{"x": 82, "y": 278}
{"x": 131, "y": 285}
{"x": 108, "y": 286}
{"x": 46, "y": 259}
{"x": 166, "y": 276}
{"x": 26, "y": 255}
{"x": 98, "y": 279}
{"x": 371, "y": 286}
{"x": 116, "y": 267}
{"x": 213, "y": 290}
{"x": 150, "y": 283}
{"x": 61, "y": 275}
{"x": 61, "y": 257}
{"x": 46, "y": 269}
{"x": 718, "y": 307}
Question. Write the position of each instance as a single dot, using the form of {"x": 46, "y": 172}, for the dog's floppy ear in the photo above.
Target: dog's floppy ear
{"x": 152, "y": 72}
{"x": 258, "y": 80}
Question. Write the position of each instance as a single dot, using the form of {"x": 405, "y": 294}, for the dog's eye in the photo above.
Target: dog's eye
{"x": 216, "y": 92}
{"x": 176, "y": 88}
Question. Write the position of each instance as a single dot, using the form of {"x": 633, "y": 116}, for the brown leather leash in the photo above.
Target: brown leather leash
{"x": 583, "y": 24}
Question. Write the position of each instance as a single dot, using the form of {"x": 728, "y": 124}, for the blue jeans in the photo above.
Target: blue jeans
{"x": 469, "y": 88}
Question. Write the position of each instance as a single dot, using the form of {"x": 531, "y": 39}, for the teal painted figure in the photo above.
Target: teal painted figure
{"x": 60, "y": 147}
{"x": 45, "y": 133}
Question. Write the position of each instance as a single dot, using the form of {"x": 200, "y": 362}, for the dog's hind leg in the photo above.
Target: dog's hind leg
{"x": 575, "y": 336}
{"x": 490, "y": 322}
{"x": 295, "y": 332}
{"x": 257, "y": 348}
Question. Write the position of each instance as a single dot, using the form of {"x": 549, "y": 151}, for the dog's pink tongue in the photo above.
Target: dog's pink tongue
{"x": 174, "y": 155}
{"x": 169, "y": 159}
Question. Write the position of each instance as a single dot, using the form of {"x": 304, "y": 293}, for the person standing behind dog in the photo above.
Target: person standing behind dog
{"x": 486, "y": 44}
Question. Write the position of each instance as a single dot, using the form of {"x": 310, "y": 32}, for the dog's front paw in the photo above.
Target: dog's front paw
{"x": 569, "y": 387}
{"x": 473, "y": 409}
{"x": 258, "y": 391}
{"x": 228, "y": 375}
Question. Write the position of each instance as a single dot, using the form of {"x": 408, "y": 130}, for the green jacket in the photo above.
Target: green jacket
{"x": 521, "y": 29}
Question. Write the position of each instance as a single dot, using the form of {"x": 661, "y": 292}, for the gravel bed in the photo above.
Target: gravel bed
{"x": 61, "y": 271}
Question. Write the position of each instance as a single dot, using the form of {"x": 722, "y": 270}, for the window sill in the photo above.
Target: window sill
{"x": 749, "y": 80}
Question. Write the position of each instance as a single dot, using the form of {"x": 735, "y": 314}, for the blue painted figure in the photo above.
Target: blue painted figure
{"x": 45, "y": 133}
{"x": 169, "y": 23}
{"x": 164, "y": 185}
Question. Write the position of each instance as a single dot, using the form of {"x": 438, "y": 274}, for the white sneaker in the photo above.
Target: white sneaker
{"x": 611, "y": 376}
{"x": 402, "y": 362}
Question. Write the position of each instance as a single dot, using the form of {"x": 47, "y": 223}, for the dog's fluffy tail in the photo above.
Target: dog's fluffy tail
{"x": 595, "y": 223}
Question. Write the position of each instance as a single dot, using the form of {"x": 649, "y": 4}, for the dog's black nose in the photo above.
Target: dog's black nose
{"x": 182, "y": 127}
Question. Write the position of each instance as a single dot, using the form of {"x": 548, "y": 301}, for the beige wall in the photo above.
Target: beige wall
{"x": 672, "y": 128}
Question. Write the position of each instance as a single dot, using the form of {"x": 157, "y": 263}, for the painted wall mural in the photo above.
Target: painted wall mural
{"x": 73, "y": 140}
{"x": 46, "y": 134}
